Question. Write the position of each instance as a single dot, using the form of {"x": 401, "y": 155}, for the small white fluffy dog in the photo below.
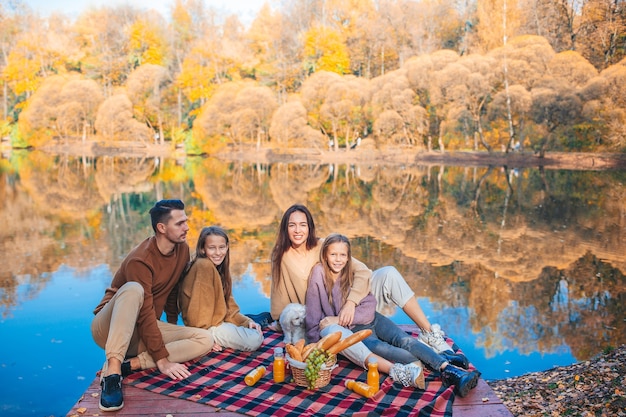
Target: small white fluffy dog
{"x": 292, "y": 322}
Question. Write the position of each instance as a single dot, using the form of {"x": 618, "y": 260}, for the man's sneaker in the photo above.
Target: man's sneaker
{"x": 126, "y": 369}
{"x": 435, "y": 339}
{"x": 409, "y": 375}
{"x": 111, "y": 398}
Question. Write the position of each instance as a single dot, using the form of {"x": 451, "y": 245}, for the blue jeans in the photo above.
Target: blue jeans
{"x": 394, "y": 344}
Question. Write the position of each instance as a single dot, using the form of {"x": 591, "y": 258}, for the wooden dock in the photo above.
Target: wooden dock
{"x": 482, "y": 402}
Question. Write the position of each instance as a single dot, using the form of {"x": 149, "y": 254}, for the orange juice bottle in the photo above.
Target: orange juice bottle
{"x": 360, "y": 388}
{"x": 373, "y": 377}
{"x": 254, "y": 375}
{"x": 279, "y": 365}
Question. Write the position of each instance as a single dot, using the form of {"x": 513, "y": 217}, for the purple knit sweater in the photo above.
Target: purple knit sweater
{"x": 318, "y": 306}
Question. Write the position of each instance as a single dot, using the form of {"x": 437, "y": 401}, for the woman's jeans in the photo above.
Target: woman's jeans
{"x": 394, "y": 344}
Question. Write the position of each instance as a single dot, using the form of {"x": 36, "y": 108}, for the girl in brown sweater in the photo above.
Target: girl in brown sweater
{"x": 206, "y": 300}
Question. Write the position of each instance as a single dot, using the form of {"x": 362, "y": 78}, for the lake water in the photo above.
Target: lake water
{"x": 523, "y": 268}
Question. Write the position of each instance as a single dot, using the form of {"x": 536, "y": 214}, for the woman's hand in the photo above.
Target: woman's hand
{"x": 346, "y": 315}
{"x": 328, "y": 320}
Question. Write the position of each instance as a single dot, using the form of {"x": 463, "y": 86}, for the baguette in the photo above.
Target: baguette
{"x": 293, "y": 352}
{"x": 328, "y": 340}
{"x": 308, "y": 349}
{"x": 300, "y": 345}
{"x": 349, "y": 341}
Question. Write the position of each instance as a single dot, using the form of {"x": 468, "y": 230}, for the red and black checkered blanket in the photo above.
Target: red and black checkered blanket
{"x": 217, "y": 379}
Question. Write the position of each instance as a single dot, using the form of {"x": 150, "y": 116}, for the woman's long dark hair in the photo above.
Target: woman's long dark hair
{"x": 282, "y": 240}
{"x": 224, "y": 267}
{"x": 346, "y": 275}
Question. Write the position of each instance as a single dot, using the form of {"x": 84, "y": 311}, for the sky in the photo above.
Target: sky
{"x": 246, "y": 9}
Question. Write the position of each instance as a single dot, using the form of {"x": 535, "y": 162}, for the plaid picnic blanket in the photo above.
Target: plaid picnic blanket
{"x": 217, "y": 379}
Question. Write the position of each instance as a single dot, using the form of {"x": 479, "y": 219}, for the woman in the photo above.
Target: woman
{"x": 327, "y": 292}
{"x": 297, "y": 250}
{"x": 206, "y": 298}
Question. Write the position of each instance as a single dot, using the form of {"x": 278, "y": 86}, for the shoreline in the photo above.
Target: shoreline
{"x": 595, "y": 387}
{"x": 388, "y": 156}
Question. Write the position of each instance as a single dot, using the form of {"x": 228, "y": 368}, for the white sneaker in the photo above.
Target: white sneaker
{"x": 435, "y": 339}
{"x": 409, "y": 375}
{"x": 399, "y": 373}
{"x": 417, "y": 374}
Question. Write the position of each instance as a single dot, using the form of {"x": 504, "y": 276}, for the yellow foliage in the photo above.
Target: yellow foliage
{"x": 22, "y": 71}
{"x": 146, "y": 44}
{"x": 195, "y": 79}
{"x": 325, "y": 50}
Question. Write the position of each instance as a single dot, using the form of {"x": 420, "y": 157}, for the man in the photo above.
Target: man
{"x": 127, "y": 321}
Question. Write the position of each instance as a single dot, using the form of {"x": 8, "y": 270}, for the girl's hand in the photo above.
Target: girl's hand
{"x": 328, "y": 320}
{"x": 346, "y": 315}
{"x": 217, "y": 348}
{"x": 275, "y": 327}
{"x": 255, "y": 325}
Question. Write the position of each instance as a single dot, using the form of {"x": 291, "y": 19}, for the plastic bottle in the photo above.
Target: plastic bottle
{"x": 254, "y": 375}
{"x": 279, "y": 365}
{"x": 360, "y": 388}
{"x": 373, "y": 377}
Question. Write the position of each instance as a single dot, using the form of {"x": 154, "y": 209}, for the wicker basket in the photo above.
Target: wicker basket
{"x": 297, "y": 370}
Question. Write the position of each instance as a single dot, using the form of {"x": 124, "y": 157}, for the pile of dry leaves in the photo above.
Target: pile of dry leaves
{"x": 596, "y": 387}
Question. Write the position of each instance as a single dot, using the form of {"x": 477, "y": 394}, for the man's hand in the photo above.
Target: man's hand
{"x": 346, "y": 315}
{"x": 176, "y": 371}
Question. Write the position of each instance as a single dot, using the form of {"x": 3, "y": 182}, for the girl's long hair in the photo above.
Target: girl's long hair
{"x": 224, "y": 267}
{"x": 346, "y": 276}
{"x": 282, "y": 240}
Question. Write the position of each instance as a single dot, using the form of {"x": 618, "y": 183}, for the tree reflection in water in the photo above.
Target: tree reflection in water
{"x": 523, "y": 260}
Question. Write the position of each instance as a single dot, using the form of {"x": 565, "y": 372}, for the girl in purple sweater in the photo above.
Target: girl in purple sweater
{"x": 327, "y": 291}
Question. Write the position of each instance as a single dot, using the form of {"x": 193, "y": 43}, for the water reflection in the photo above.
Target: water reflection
{"x": 525, "y": 259}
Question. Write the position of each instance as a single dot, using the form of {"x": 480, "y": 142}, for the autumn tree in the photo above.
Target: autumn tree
{"x": 146, "y": 43}
{"x": 237, "y": 114}
{"x": 427, "y": 75}
{"x": 606, "y": 102}
{"x": 216, "y": 58}
{"x": 289, "y": 128}
{"x": 344, "y": 110}
{"x": 273, "y": 65}
{"x": 476, "y": 82}
{"x": 188, "y": 23}
{"x": 602, "y": 33}
{"x": 39, "y": 51}
{"x": 10, "y": 30}
{"x": 555, "y": 107}
{"x": 115, "y": 121}
{"x": 104, "y": 47}
{"x": 520, "y": 101}
{"x": 64, "y": 106}
{"x": 145, "y": 87}
{"x": 325, "y": 50}
{"x": 252, "y": 115}
{"x": 497, "y": 21}
{"x": 397, "y": 116}
{"x": 553, "y": 20}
